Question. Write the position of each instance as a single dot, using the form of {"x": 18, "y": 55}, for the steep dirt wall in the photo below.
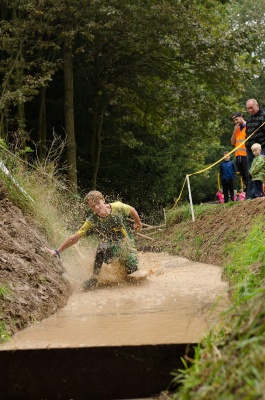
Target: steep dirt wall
{"x": 32, "y": 283}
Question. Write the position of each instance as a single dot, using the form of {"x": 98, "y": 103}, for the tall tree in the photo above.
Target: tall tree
{"x": 69, "y": 105}
{"x": 23, "y": 68}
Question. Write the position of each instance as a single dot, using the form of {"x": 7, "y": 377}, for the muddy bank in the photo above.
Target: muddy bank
{"x": 33, "y": 285}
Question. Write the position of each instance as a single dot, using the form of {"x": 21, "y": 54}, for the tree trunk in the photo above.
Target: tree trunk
{"x": 96, "y": 140}
{"x": 42, "y": 131}
{"x": 21, "y": 127}
{"x": 21, "y": 140}
{"x": 97, "y": 150}
{"x": 69, "y": 109}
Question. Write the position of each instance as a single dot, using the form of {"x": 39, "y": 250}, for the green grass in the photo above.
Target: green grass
{"x": 229, "y": 364}
{"x": 247, "y": 261}
{"x": 4, "y": 333}
{"x": 5, "y": 291}
{"x": 182, "y": 212}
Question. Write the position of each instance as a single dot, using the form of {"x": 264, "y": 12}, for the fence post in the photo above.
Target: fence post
{"x": 190, "y": 197}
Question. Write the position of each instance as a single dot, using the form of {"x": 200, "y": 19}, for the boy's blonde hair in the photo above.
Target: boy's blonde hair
{"x": 94, "y": 196}
{"x": 257, "y": 145}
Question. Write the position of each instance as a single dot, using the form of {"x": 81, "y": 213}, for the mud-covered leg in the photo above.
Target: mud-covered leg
{"x": 131, "y": 264}
{"x": 131, "y": 268}
{"x": 103, "y": 253}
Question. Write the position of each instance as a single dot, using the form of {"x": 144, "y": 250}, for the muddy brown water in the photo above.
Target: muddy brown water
{"x": 176, "y": 303}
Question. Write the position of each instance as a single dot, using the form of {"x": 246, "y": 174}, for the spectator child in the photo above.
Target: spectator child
{"x": 220, "y": 196}
{"x": 257, "y": 172}
{"x": 227, "y": 176}
{"x": 241, "y": 195}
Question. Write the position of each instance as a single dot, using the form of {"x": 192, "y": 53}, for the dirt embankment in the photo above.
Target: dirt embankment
{"x": 32, "y": 284}
{"x": 207, "y": 238}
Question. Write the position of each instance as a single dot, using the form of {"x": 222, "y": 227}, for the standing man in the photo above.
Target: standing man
{"x": 237, "y": 138}
{"x": 254, "y": 123}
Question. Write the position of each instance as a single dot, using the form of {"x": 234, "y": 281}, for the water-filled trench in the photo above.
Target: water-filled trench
{"x": 177, "y": 303}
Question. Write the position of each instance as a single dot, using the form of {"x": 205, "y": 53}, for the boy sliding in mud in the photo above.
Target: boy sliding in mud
{"x": 109, "y": 221}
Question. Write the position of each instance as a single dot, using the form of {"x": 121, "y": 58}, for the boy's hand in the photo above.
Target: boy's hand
{"x": 138, "y": 227}
{"x": 51, "y": 251}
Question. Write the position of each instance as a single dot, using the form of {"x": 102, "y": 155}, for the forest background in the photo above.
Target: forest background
{"x": 128, "y": 97}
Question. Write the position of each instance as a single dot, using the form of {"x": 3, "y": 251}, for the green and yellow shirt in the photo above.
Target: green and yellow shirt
{"x": 113, "y": 227}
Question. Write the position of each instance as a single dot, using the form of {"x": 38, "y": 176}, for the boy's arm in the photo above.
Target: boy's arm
{"x": 135, "y": 216}
{"x": 67, "y": 243}
{"x": 257, "y": 165}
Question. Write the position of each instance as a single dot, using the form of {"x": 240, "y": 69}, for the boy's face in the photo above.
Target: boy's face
{"x": 227, "y": 158}
{"x": 97, "y": 206}
{"x": 256, "y": 151}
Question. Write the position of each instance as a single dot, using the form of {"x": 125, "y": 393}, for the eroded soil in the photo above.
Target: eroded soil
{"x": 32, "y": 284}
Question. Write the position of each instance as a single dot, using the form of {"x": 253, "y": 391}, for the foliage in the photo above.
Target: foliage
{"x": 245, "y": 12}
{"x": 4, "y": 334}
{"x": 55, "y": 209}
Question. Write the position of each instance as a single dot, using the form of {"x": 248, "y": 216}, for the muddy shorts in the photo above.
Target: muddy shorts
{"x": 124, "y": 250}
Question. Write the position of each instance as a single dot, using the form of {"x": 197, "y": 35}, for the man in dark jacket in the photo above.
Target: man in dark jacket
{"x": 254, "y": 123}
{"x": 227, "y": 176}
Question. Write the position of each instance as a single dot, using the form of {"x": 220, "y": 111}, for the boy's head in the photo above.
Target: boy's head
{"x": 227, "y": 156}
{"x": 256, "y": 149}
{"x": 93, "y": 197}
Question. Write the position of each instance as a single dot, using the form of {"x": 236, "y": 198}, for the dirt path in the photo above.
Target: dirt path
{"x": 177, "y": 303}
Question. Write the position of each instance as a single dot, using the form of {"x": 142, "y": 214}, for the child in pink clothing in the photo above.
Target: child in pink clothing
{"x": 220, "y": 196}
{"x": 241, "y": 195}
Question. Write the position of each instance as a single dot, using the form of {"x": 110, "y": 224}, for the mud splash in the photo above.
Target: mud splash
{"x": 177, "y": 303}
